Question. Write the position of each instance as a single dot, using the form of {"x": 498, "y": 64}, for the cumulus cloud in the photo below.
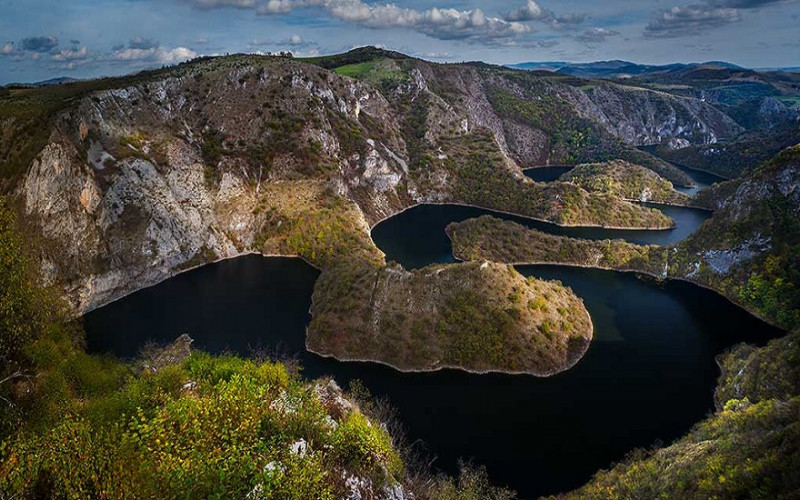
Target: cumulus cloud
{"x": 71, "y": 54}
{"x": 147, "y": 50}
{"x": 7, "y": 49}
{"x": 533, "y": 12}
{"x": 596, "y": 35}
{"x": 154, "y": 55}
{"x": 693, "y": 19}
{"x": 39, "y": 43}
{"x": 690, "y": 20}
{"x": 529, "y": 12}
{"x": 296, "y": 39}
{"x": 443, "y": 23}
{"x": 284, "y": 6}
{"x": 143, "y": 43}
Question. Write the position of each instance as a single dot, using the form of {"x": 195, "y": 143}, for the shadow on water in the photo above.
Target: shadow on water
{"x": 416, "y": 237}
{"x": 700, "y": 178}
{"x": 549, "y": 173}
{"x": 648, "y": 375}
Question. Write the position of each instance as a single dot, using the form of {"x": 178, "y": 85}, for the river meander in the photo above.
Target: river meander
{"x": 648, "y": 375}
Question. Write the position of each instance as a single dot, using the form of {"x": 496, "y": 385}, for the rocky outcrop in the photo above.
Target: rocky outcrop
{"x": 151, "y": 175}
{"x": 126, "y": 196}
{"x": 643, "y": 117}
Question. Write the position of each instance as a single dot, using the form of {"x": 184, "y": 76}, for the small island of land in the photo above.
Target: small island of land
{"x": 747, "y": 251}
{"x": 499, "y": 240}
{"x": 625, "y": 180}
{"x": 479, "y": 317}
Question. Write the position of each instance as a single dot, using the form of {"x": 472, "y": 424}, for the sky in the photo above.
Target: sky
{"x": 42, "y": 39}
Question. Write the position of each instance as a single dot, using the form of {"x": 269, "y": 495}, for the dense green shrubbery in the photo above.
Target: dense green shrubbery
{"x": 774, "y": 290}
{"x": 481, "y": 320}
{"x": 211, "y": 426}
{"x": 750, "y": 448}
{"x": 323, "y": 236}
{"x": 21, "y": 304}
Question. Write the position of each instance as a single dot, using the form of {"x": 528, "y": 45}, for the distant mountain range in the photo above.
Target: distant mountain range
{"x": 46, "y": 83}
{"x": 625, "y": 69}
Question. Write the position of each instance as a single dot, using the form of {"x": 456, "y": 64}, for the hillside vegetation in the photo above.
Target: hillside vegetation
{"x": 749, "y": 448}
{"x": 178, "y": 423}
{"x": 748, "y": 251}
{"x": 477, "y": 316}
{"x": 738, "y": 156}
{"x": 499, "y": 240}
{"x": 625, "y": 180}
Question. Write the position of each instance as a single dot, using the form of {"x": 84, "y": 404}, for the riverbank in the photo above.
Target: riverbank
{"x": 514, "y": 214}
{"x": 510, "y": 243}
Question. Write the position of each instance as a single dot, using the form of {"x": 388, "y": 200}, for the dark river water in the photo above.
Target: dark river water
{"x": 417, "y": 238}
{"x": 700, "y": 178}
{"x": 549, "y": 173}
{"x": 648, "y": 375}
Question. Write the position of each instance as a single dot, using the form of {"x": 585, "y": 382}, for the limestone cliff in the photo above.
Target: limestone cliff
{"x": 134, "y": 179}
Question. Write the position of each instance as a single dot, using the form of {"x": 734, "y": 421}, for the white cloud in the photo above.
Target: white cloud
{"x": 690, "y": 20}
{"x": 444, "y": 23}
{"x": 155, "y": 55}
{"x": 71, "y": 54}
{"x": 7, "y": 49}
{"x": 296, "y": 39}
{"x": 529, "y": 12}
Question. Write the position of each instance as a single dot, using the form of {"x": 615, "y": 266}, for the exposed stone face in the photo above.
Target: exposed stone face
{"x": 119, "y": 230}
{"x": 642, "y": 117}
{"x": 126, "y": 195}
{"x": 121, "y": 190}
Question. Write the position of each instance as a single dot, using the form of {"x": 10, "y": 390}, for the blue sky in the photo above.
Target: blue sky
{"x": 40, "y": 39}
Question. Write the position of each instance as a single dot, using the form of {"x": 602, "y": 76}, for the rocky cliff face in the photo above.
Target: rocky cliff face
{"x": 630, "y": 114}
{"x": 750, "y": 249}
{"x": 154, "y": 175}
{"x": 130, "y": 189}
{"x": 648, "y": 117}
